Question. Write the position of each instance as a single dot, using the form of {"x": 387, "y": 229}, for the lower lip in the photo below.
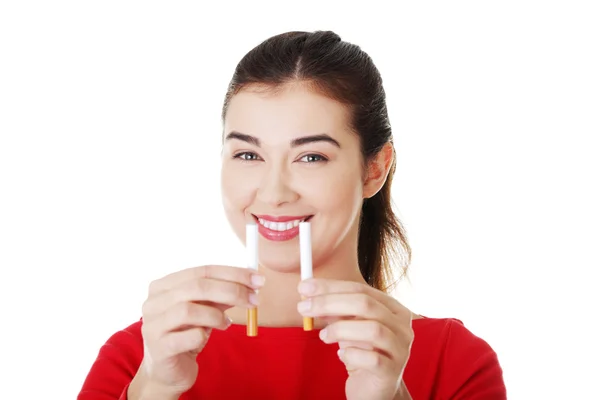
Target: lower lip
{"x": 278, "y": 236}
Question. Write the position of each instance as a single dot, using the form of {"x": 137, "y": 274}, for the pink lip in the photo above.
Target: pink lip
{"x": 281, "y": 218}
{"x": 279, "y": 236}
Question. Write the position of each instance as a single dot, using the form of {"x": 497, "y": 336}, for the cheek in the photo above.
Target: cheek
{"x": 237, "y": 192}
{"x": 340, "y": 193}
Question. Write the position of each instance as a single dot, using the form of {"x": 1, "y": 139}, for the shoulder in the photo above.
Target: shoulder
{"x": 116, "y": 364}
{"x": 130, "y": 337}
{"x": 125, "y": 346}
{"x": 462, "y": 363}
{"x": 447, "y": 332}
{"x": 451, "y": 340}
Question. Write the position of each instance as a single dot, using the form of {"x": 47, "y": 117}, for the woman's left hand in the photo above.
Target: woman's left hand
{"x": 373, "y": 330}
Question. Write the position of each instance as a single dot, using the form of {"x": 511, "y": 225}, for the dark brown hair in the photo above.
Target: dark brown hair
{"x": 344, "y": 72}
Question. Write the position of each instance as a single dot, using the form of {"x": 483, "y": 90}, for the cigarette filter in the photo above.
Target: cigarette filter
{"x": 306, "y": 268}
{"x": 252, "y": 262}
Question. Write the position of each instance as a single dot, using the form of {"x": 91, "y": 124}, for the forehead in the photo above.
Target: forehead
{"x": 294, "y": 110}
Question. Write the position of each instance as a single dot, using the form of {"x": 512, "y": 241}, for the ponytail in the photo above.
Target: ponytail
{"x": 382, "y": 240}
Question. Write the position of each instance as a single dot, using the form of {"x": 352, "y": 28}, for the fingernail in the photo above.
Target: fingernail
{"x": 228, "y": 322}
{"x": 257, "y": 280}
{"x": 307, "y": 287}
{"x": 323, "y": 334}
{"x": 340, "y": 353}
{"x": 253, "y": 298}
{"x": 304, "y": 306}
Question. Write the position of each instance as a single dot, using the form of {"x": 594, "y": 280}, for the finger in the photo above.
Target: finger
{"x": 361, "y": 345}
{"x": 202, "y": 290}
{"x": 358, "y": 305}
{"x": 174, "y": 343}
{"x": 185, "y": 315}
{"x": 317, "y": 287}
{"x": 330, "y": 320}
{"x": 218, "y": 306}
{"x": 367, "y": 360}
{"x": 379, "y": 336}
{"x": 245, "y": 276}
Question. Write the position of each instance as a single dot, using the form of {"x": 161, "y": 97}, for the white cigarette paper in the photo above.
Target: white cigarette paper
{"x": 252, "y": 246}
{"x": 306, "y": 268}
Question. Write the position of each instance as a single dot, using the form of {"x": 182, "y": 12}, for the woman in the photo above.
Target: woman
{"x": 306, "y": 137}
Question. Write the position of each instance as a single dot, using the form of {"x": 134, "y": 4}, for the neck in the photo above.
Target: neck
{"x": 279, "y": 297}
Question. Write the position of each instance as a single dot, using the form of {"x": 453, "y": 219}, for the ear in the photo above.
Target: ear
{"x": 378, "y": 169}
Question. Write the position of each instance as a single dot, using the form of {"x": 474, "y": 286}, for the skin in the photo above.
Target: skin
{"x": 280, "y": 180}
{"x": 263, "y": 174}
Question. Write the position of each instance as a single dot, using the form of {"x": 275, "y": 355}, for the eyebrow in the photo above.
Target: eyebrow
{"x": 322, "y": 137}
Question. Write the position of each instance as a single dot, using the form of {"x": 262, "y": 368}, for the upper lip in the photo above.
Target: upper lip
{"x": 282, "y": 218}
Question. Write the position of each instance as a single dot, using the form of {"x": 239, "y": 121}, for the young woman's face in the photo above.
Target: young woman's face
{"x": 289, "y": 157}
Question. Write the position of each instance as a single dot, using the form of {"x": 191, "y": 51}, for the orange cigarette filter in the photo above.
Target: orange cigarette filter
{"x": 309, "y": 323}
{"x": 252, "y": 325}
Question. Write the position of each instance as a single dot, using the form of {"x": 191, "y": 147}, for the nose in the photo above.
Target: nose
{"x": 275, "y": 187}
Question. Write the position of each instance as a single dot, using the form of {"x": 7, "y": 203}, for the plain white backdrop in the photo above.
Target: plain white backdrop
{"x": 110, "y": 154}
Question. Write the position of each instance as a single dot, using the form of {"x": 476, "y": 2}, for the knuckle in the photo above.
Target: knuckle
{"x": 206, "y": 271}
{"x": 215, "y": 317}
{"x": 196, "y": 338}
{"x": 184, "y": 312}
{"x": 359, "y": 288}
{"x": 375, "y": 360}
{"x": 147, "y": 309}
{"x": 153, "y": 287}
{"x": 246, "y": 275}
{"x": 171, "y": 344}
{"x": 332, "y": 332}
{"x": 201, "y": 285}
{"x": 378, "y": 331}
{"x": 365, "y": 303}
{"x": 241, "y": 293}
{"x": 198, "y": 273}
{"x": 317, "y": 304}
{"x": 410, "y": 335}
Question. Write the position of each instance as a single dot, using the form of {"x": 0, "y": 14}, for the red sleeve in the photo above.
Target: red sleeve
{"x": 116, "y": 365}
{"x": 472, "y": 370}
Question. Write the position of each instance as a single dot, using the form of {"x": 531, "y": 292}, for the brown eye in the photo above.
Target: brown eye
{"x": 247, "y": 156}
{"x": 312, "y": 158}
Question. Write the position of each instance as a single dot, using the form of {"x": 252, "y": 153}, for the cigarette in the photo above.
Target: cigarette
{"x": 306, "y": 268}
{"x": 252, "y": 261}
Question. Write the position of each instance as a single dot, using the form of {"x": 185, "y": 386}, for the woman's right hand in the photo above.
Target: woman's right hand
{"x": 181, "y": 310}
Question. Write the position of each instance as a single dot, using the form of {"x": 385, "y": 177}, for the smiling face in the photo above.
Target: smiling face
{"x": 289, "y": 156}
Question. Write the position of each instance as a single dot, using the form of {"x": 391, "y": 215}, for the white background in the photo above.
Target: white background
{"x": 109, "y": 159}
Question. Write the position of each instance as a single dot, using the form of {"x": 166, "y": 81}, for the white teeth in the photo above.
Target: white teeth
{"x": 280, "y": 226}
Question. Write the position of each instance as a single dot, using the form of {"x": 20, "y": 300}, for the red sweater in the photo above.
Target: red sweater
{"x": 446, "y": 361}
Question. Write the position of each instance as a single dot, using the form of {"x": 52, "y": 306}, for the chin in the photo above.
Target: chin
{"x": 284, "y": 259}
